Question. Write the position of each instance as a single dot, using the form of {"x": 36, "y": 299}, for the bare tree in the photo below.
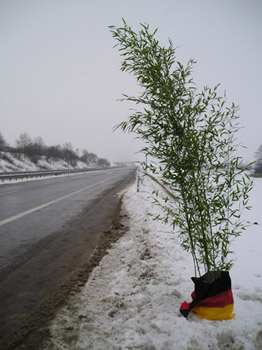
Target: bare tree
{"x": 69, "y": 154}
{"x": 84, "y": 157}
{"x": 54, "y": 152}
{"x": 38, "y": 147}
{"x": 92, "y": 157}
{"x": 103, "y": 162}
{"x": 3, "y": 143}
{"x": 258, "y": 162}
{"x": 23, "y": 142}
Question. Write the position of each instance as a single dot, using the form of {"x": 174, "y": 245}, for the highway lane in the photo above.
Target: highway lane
{"x": 21, "y": 196}
{"x": 47, "y": 229}
{"x": 32, "y": 210}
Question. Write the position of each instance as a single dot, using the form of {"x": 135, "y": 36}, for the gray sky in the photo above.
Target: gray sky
{"x": 60, "y": 76}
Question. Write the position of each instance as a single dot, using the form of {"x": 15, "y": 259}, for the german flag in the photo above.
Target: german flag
{"x": 212, "y": 298}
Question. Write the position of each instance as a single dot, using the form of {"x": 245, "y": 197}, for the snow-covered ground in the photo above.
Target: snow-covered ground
{"x": 132, "y": 299}
{"x": 10, "y": 163}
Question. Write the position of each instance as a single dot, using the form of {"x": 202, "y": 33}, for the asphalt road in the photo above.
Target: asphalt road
{"x": 48, "y": 229}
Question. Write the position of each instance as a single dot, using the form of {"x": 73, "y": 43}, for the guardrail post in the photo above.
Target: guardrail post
{"x": 137, "y": 179}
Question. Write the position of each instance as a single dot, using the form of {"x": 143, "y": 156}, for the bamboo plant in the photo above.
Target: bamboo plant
{"x": 192, "y": 135}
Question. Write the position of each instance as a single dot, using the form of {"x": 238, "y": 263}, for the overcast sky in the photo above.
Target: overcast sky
{"x": 60, "y": 76}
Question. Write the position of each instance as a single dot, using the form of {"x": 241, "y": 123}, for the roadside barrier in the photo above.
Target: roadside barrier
{"x": 44, "y": 173}
{"x": 164, "y": 188}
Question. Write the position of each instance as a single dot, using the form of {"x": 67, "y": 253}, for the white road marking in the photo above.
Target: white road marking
{"x": 42, "y": 206}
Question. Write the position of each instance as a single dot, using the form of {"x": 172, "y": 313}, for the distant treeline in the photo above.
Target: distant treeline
{"x": 34, "y": 149}
{"x": 257, "y": 168}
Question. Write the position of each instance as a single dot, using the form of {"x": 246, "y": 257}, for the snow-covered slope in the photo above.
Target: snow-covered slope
{"x": 132, "y": 299}
{"x": 9, "y": 163}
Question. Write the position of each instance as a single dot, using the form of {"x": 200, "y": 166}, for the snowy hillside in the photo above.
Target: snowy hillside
{"x": 9, "y": 163}
{"x": 132, "y": 299}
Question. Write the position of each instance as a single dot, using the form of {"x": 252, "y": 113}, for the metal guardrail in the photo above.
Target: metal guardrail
{"x": 43, "y": 173}
{"x": 164, "y": 187}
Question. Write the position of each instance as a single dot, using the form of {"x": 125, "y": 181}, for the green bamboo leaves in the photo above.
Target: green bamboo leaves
{"x": 191, "y": 134}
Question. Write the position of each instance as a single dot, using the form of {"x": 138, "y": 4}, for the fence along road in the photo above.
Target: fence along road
{"x": 15, "y": 175}
{"x": 48, "y": 228}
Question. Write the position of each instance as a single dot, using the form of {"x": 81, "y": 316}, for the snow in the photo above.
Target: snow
{"x": 9, "y": 163}
{"x": 132, "y": 299}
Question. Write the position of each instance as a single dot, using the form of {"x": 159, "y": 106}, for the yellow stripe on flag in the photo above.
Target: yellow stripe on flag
{"x": 215, "y": 313}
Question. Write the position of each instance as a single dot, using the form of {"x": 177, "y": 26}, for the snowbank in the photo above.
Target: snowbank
{"x": 132, "y": 299}
{"x": 9, "y": 163}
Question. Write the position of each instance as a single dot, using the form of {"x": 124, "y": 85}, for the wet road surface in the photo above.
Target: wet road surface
{"x": 48, "y": 231}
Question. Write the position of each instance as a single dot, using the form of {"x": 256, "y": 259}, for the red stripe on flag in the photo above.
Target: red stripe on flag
{"x": 220, "y": 300}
